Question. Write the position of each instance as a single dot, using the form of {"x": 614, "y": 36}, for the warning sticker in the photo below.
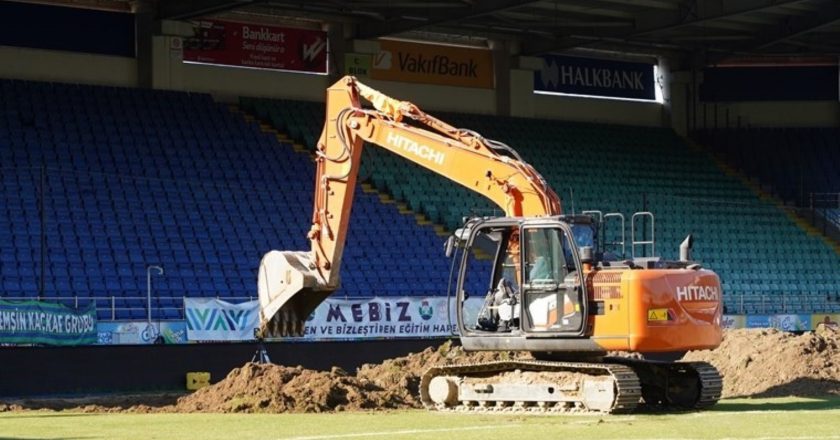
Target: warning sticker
{"x": 657, "y": 314}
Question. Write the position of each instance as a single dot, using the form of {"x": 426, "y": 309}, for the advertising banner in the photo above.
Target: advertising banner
{"x": 733, "y": 321}
{"x": 758, "y": 321}
{"x": 259, "y": 46}
{"x": 786, "y": 322}
{"x": 791, "y": 322}
{"x": 210, "y": 319}
{"x": 37, "y": 322}
{"x": 433, "y": 64}
{"x": 405, "y": 317}
{"x": 589, "y": 76}
{"x": 357, "y": 64}
{"x": 827, "y": 320}
{"x": 141, "y": 332}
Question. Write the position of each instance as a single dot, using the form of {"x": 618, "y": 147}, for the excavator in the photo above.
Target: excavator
{"x": 554, "y": 289}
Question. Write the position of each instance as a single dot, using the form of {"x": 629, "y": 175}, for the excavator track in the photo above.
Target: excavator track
{"x": 531, "y": 386}
{"x": 677, "y": 386}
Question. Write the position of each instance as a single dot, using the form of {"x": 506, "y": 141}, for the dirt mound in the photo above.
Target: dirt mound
{"x": 773, "y": 363}
{"x": 273, "y": 388}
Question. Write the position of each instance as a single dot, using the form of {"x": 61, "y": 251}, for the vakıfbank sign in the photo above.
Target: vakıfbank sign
{"x": 589, "y": 76}
{"x": 433, "y": 64}
{"x": 36, "y": 322}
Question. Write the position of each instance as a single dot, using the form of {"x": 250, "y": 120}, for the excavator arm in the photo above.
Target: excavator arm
{"x": 291, "y": 284}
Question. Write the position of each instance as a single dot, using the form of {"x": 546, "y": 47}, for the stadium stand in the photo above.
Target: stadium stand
{"x": 115, "y": 180}
{"x": 797, "y": 162}
{"x": 625, "y": 169}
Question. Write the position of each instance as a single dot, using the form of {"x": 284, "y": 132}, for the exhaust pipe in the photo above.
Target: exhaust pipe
{"x": 685, "y": 248}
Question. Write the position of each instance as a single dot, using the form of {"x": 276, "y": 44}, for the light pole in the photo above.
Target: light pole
{"x": 149, "y": 291}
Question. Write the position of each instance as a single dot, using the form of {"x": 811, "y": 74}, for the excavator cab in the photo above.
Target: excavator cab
{"x": 522, "y": 278}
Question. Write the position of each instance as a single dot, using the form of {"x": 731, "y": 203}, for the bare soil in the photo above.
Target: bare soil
{"x": 773, "y": 363}
{"x": 755, "y": 362}
{"x": 272, "y": 388}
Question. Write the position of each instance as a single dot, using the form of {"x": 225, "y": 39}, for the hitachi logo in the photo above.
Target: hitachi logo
{"x": 421, "y": 151}
{"x": 698, "y": 293}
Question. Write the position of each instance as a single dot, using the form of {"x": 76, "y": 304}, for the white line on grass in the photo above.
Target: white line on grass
{"x": 749, "y": 411}
{"x": 783, "y": 437}
{"x": 400, "y": 432}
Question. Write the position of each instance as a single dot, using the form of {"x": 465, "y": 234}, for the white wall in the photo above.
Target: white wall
{"x": 609, "y": 111}
{"x": 228, "y": 83}
{"x": 522, "y": 93}
{"x": 73, "y": 67}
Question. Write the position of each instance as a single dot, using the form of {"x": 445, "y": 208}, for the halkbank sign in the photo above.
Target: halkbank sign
{"x": 590, "y": 76}
{"x": 433, "y": 64}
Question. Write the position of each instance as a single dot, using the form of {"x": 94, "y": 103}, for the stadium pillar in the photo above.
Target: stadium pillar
{"x": 663, "y": 81}
{"x": 337, "y": 37}
{"x": 167, "y": 58}
{"x": 501, "y": 70}
{"x": 522, "y": 85}
{"x": 144, "y": 21}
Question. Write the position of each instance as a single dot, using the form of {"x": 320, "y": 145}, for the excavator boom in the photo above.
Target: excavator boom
{"x": 292, "y": 283}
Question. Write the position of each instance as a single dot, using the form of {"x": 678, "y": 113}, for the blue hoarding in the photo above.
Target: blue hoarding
{"x": 68, "y": 29}
{"x": 589, "y": 76}
{"x": 770, "y": 83}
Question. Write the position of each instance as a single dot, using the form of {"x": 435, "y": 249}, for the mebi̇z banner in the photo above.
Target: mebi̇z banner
{"x": 210, "y": 319}
{"x": 405, "y": 317}
{"x": 37, "y": 322}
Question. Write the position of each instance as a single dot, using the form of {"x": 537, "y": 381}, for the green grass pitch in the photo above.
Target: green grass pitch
{"x": 757, "y": 419}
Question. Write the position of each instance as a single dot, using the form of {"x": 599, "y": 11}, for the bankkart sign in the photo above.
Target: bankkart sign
{"x": 595, "y": 77}
{"x": 257, "y": 46}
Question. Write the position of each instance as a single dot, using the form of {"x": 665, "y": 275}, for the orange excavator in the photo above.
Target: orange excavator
{"x": 555, "y": 290}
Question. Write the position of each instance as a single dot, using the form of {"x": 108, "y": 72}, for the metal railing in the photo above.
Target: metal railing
{"x": 746, "y": 304}
{"x": 734, "y": 304}
{"x": 824, "y": 200}
{"x": 112, "y": 306}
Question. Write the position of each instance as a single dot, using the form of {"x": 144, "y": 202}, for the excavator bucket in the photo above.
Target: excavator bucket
{"x": 289, "y": 290}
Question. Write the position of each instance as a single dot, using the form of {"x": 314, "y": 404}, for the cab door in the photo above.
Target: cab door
{"x": 553, "y": 291}
{"x": 488, "y": 285}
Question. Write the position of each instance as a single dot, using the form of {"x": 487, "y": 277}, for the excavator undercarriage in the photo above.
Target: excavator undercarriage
{"x": 614, "y": 386}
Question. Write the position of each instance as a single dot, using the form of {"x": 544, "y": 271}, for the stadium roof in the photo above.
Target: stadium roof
{"x": 700, "y": 30}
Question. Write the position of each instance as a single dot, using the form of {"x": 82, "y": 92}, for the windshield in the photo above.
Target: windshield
{"x": 584, "y": 235}
{"x": 547, "y": 256}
